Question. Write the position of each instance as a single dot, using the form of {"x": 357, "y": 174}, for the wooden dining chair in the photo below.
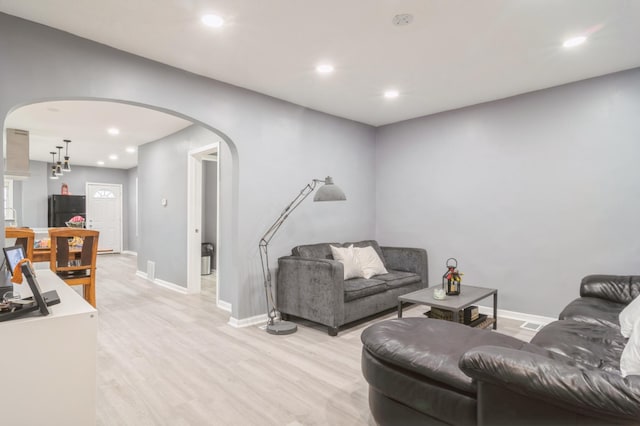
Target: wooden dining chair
{"x": 25, "y": 237}
{"x": 73, "y": 258}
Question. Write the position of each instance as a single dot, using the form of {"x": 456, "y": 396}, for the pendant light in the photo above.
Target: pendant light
{"x": 53, "y": 166}
{"x": 66, "y": 167}
{"x": 59, "y": 163}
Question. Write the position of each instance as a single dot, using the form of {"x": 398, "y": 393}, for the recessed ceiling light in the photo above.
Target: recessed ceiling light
{"x": 325, "y": 68}
{"x": 402, "y": 19}
{"x": 211, "y": 20}
{"x": 574, "y": 41}
{"x": 113, "y": 157}
{"x": 390, "y": 94}
{"x": 131, "y": 149}
{"x": 100, "y": 163}
{"x": 113, "y": 131}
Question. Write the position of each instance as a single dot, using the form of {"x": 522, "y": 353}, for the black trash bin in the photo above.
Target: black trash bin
{"x": 206, "y": 261}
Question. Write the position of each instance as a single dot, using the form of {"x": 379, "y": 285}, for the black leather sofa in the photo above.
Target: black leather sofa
{"x": 430, "y": 372}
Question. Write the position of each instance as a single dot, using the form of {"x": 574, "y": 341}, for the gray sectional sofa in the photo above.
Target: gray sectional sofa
{"x": 310, "y": 283}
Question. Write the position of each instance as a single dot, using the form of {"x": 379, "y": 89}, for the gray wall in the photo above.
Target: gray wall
{"x": 131, "y": 204}
{"x": 162, "y": 173}
{"x": 210, "y": 203}
{"x": 31, "y": 196}
{"x": 529, "y": 194}
{"x": 273, "y": 147}
{"x": 80, "y": 175}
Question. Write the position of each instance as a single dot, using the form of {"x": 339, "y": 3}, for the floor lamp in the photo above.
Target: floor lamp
{"x": 327, "y": 192}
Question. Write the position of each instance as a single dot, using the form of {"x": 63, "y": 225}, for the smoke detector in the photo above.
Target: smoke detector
{"x": 402, "y": 19}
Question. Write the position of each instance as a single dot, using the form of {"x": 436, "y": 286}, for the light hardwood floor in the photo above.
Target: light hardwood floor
{"x": 171, "y": 359}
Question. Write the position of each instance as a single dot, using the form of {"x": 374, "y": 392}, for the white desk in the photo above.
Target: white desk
{"x": 49, "y": 363}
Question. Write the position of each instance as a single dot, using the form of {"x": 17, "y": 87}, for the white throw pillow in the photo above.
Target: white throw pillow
{"x": 369, "y": 261}
{"x": 629, "y": 316}
{"x": 630, "y": 359}
{"x": 347, "y": 256}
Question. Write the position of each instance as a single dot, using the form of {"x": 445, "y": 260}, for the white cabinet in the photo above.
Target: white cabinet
{"x": 49, "y": 363}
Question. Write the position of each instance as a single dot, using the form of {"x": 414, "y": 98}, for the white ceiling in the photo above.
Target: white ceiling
{"x": 85, "y": 123}
{"x": 455, "y": 52}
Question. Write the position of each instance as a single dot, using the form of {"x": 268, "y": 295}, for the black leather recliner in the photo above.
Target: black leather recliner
{"x": 430, "y": 372}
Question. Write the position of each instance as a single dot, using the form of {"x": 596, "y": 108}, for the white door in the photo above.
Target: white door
{"x": 104, "y": 214}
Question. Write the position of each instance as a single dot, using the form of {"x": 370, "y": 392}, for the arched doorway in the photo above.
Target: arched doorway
{"x": 176, "y": 252}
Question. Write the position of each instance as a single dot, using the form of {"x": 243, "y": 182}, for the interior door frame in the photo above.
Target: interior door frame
{"x": 88, "y": 195}
{"x": 194, "y": 217}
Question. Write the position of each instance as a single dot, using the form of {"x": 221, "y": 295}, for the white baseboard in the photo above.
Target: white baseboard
{"x": 162, "y": 283}
{"x": 488, "y": 310}
{"x": 248, "y": 322}
{"x": 129, "y": 252}
{"x": 225, "y": 306}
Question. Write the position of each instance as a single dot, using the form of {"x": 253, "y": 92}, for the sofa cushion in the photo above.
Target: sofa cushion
{"x": 323, "y": 250}
{"x": 356, "y": 288}
{"x": 351, "y": 264}
{"x": 616, "y": 288}
{"x": 370, "y": 262}
{"x": 315, "y": 251}
{"x": 372, "y": 243}
{"x": 395, "y": 279}
{"x": 629, "y": 316}
{"x": 430, "y": 398}
{"x": 630, "y": 359}
{"x": 589, "y": 344}
{"x": 593, "y": 310}
{"x": 431, "y": 348}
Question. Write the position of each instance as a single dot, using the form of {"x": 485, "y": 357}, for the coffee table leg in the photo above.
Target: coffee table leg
{"x": 399, "y": 309}
{"x": 495, "y": 310}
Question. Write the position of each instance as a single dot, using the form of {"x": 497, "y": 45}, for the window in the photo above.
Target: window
{"x": 104, "y": 193}
{"x": 9, "y": 212}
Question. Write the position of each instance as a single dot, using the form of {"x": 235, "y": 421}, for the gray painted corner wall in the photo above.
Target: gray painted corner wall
{"x": 529, "y": 193}
{"x": 274, "y": 147}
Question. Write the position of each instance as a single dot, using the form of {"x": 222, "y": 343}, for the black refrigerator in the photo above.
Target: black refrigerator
{"x": 64, "y": 207}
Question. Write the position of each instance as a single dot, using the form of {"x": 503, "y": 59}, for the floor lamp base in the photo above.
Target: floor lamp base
{"x": 281, "y": 327}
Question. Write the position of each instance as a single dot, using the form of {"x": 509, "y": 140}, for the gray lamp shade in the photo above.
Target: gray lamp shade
{"x": 329, "y": 192}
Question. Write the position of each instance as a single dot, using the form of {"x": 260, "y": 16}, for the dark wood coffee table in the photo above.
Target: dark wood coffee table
{"x": 467, "y": 297}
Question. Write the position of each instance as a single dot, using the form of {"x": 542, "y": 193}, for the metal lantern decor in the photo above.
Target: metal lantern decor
{"x": 452, "y": 280}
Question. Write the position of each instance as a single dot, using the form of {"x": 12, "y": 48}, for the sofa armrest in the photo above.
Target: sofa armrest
{"x": 409, "y": 260}
{"x": 570, "y": 388}
{"x": 311, "y": 288}
{"x": 616, "y": 288}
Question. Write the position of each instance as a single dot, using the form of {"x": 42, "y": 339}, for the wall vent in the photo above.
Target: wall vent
{"x": 533, "y": 326}
{"x": 151, "y": 270}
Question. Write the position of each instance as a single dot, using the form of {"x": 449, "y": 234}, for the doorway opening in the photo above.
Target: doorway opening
{"x": 203, "y": 218}
{"x": 158, "y": 203}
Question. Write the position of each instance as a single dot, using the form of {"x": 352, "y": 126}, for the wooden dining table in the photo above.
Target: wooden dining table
{"x": 44, "y": 254}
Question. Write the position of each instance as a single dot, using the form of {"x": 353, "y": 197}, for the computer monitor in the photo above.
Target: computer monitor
{"x": 13, "y": 255}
